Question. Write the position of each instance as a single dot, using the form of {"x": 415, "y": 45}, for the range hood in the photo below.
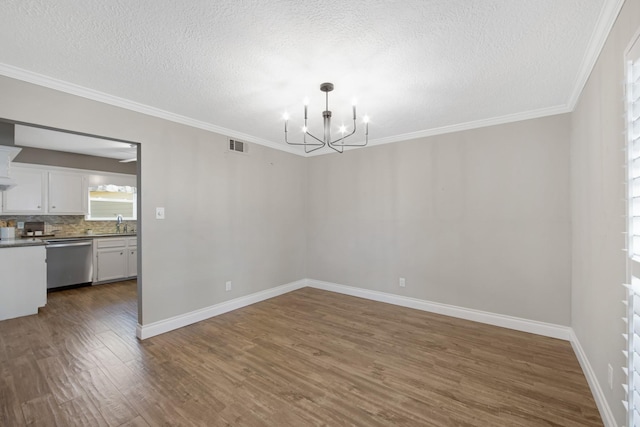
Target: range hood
{"x": 7, "y": 154}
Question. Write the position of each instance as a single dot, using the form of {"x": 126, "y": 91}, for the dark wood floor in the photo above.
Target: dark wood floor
{"x": 305, "y": 358}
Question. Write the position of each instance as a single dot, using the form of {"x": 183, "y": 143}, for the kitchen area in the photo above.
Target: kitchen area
{"x": 68, "y": 216}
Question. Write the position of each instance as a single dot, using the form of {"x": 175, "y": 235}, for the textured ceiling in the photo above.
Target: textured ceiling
{"x": 415, "y": 66}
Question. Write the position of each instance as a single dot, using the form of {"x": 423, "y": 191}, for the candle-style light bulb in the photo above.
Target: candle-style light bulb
{"x": 304, "y": 129}
{"x": 343, "y": 129}
{"x": 285, "y": 116}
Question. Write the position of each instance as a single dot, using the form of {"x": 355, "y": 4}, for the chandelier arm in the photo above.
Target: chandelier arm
{"x": 317, "y": 139}
{"x": 307, "y": 151}
{"x": 342, "y": 138}
{"x": 363, "y": 144}
{"x": 366, "y": 138}
{"x": 335, "y": 143}
{"x": 306, "y": 144}
{"x": 335, "y": 149}
{"x": 318, "y": 145}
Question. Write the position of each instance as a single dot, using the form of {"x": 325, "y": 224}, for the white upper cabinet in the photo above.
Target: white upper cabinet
{"x": 46, "y": 190}
{"x": 28, "y": 196}
{"x": 67, "y": 193}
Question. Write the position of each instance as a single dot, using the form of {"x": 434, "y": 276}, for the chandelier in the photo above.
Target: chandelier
{"x": 317, "y": 143}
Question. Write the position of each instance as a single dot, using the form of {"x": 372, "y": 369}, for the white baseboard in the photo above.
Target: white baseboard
{"x": 519, "y": 324}
{"x": 510, "y": 322}
{"x": 504, "y": 321}
{"x": 598, "y": 394}
{"x": 166, "y": 325}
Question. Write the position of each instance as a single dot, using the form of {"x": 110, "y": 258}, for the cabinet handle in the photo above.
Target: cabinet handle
{"x": 38, "y": 206}
{"x": 53, "y": 207}
{"x": 121, "y": 253}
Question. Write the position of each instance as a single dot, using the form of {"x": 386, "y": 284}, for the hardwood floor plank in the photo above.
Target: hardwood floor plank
{"x": 30, "y": 383}
{"x": 81, "y": 411}
{"x": 136, "y": 422}
{"x": 43, "y": 411}
{"x": 10, "y": 411}
{"x": 306, "y": 358}
{"x": 112, "y": 405}
{"x": 113, "y": 342}
{"x": 62, "y": 384}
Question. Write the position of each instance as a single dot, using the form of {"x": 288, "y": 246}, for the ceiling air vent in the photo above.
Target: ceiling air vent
{"x": 239, "y": 146}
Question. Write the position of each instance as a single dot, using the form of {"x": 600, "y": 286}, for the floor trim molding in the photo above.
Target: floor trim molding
{"x": 501, "y": 320}
{"x": 598, "y": 394}
{"x": 531, "y": 326}
{"x": 504, "y": 321}
{"x": 176, "y": 322}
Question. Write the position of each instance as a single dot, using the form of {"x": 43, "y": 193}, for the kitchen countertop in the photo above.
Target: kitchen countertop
{"x": 18, "y": 243}
{"x": 41, "y": 240}
{"x": 89, "y": 236}
{"x": 83, "y": 236}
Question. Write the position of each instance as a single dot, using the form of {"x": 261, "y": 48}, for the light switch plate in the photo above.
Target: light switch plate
{"x": 159, "y": 213}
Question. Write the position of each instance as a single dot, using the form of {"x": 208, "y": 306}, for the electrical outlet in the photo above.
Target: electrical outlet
{"x": 159, "y": 213}
{"x": 20, "y": 225}
{"x": 402, "y": 282}
{"x": 610, "y": 377}
{"x": 228, "y": 286}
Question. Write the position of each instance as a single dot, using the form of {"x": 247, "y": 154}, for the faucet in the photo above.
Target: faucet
{"x": 118, "y": 222}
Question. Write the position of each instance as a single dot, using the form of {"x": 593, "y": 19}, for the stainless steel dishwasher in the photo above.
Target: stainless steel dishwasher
{"x": 69, "y": 262}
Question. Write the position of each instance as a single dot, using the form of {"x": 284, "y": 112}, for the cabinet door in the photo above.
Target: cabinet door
{"x": 67, "y": 193}
{"x": 133, "y": 262}
{"x": 27, "y": 197}
{"x": 112, "y": 264}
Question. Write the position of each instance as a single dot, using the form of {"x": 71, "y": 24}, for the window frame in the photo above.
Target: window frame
{"x": 632, "y": 144}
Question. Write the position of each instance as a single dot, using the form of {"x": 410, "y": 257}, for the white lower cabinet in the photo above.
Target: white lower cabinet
{"x": 132, "y": 265}
{"x": 23, "y": 285}
{"x": 111, "y": 264}
{"x": 115, "y": 259}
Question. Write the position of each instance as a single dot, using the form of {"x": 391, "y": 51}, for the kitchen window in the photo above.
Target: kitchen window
{"x": 106, "y": 202}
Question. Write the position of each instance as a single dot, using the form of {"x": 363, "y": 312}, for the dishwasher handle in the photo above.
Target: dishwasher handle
{"x": 68, "y": 244}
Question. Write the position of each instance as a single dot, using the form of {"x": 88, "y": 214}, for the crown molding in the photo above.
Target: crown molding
{"x": 94, "y": 95}
{"x": 81, "y": 91}
{"x": 476, "y": 124}
{"x": 606, "y": 20}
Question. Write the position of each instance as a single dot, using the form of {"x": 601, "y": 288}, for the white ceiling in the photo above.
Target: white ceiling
{"x": 417, "y": 67}
{"x": 28, "y": 136}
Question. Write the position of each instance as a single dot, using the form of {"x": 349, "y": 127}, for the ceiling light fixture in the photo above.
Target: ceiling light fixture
{"x": 338, "y": 144}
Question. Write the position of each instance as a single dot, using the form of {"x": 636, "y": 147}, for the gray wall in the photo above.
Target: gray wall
{"x": 478, "y": 219}
{"x": 228, "y": 216}
{"x": 598, "y": 207}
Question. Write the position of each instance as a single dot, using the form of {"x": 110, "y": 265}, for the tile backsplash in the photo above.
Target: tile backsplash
{"x": 70, "y": 224}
